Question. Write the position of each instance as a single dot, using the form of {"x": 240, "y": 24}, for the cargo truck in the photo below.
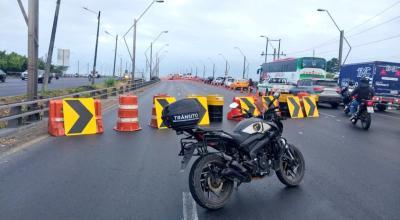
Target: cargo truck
{"x": 384, "y": 78}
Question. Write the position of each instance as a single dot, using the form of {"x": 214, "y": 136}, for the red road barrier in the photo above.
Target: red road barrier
{"x": 56, "y": 118}
{"x": 153, "y": 120}
{"x": 99, "y": 118}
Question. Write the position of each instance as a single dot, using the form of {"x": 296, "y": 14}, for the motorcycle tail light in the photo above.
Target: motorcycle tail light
{"x": 370, "y": 103}
{"x": 375, "y": 98}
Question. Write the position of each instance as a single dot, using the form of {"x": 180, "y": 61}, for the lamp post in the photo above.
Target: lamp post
{"x": 340, "y": 41}
{"x": 226, "y": 64}
{"x": 97, "y": 41}
{"x": 244, "y": 60}
{"x": 151, "y": 51}
{"x": 135, "y": 21}
{"x": 266, "y": 47}
{"x": 115, "y": 50}
{"x": 213, "y": 70}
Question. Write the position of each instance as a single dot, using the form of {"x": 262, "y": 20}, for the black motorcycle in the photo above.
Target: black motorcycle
{"x": 254, "y": 150}
{"x": 363, "y": 114}
{"x": 346, "y": 97}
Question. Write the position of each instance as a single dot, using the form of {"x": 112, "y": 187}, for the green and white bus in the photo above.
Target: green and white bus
{"x": 294, "y": 69}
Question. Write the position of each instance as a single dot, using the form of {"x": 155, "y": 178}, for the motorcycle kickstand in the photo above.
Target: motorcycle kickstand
{"x": 237, "y": 185}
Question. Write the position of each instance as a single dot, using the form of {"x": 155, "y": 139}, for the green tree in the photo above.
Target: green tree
{"x": 332, "y": 65}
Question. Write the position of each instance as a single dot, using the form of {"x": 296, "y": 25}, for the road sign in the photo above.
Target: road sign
{"x": 79, "y": 116}
{"x": 160, "y": 104}
{"x": 294, "y": 107}
{"x": 248, "y": 105}
{"x": 204, "y": 117}
{"x": 310, "y": 106}
{"x": 266, "y": 101}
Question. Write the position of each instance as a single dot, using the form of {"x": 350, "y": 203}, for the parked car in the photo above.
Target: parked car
{"x": 228, "y": 82}
{"x": 240, "y": 84}
{"x": 327, "y": 90}
{"x": 3, "y": 76}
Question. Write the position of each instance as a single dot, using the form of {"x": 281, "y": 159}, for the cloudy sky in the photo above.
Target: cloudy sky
{"x": 200, "y": 29}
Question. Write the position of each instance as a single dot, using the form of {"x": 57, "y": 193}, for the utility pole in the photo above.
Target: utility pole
{"x": 274, "y": 54}
{"x": 244, "y": 67}
{"x": 78, "y": 66}
{"x": 196, "y": 71}
{"x": 279, "y": 48}
{"x": 151, "y": 60}
{"x": 204, "y": 70}
{"x": 134, "y": 50}
{"x": 88, "y": 71}
{"x": 33, "y": 36}
{"x": 95, "y": 50}
{"x": 120, "y": 66}
{"x": 266, "y": 50}
{"x": 340, "y": 49}
{"x": 213, "y": 70}
{"x": 51, "y": 46}
{"x": 115, "y": 53}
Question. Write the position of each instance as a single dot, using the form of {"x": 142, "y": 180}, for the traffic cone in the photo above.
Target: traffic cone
{"x": 235, "y": 113}
{"x": 128, "y": 114}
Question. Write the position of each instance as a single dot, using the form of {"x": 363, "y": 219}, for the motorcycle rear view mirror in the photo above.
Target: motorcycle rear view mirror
{"x": 233, "y": 105}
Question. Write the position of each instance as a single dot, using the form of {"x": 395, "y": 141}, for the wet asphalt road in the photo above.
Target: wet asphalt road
{"x": 16, "y": 86}
{"x": 350, "y": 173}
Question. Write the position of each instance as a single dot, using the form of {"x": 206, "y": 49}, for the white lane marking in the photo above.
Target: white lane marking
{"x": 189, "y": 207}
{"x": 332, "y": 116}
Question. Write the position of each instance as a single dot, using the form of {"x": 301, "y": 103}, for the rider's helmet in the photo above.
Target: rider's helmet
{"x": 364, "y": 80}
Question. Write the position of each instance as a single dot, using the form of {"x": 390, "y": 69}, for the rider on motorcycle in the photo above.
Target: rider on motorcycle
{"x": 362, "y": 92}
{"x": 346, "y": 92}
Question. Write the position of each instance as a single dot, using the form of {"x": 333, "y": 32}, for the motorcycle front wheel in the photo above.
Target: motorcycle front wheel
{"x": 208, "y": 188}
{"x": 291, "y": 167}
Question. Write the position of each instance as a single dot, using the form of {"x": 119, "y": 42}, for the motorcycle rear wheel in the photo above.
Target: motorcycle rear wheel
{"x": 208, "y": 188}
{"x": 366, "y": 121}
{"x": 289, "y": 173}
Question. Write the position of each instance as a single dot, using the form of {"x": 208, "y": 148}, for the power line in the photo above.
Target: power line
{"x": 369, "y": 19}
{"x": 375, "y": 26}
{"x": 377, "y": 41}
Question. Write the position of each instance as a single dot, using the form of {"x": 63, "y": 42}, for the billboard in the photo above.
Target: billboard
{"x": 63, "y": 57}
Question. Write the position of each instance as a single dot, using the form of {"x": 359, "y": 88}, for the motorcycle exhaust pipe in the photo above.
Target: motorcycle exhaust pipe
{"x": 233, "y": 174}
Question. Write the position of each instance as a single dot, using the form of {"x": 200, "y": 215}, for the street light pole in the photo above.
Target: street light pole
{"x": 226, "y": 64}
{"x": 340, "y": 40}
{"x": 266, "y": 47}
{"x": 115, "y": 50}
{"x": 151, "y": 51}
{"x": 213, "y": 70}
{"x": 133, "y": 55}
{"x": 244, "y": 61}
{"x": 97, "y": 42}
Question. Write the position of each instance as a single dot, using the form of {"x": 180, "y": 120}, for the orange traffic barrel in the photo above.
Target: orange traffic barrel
{"x": 128, "y": 114}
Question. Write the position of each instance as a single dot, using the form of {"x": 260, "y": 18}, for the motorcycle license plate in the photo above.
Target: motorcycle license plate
{"x": 370, "y": 109}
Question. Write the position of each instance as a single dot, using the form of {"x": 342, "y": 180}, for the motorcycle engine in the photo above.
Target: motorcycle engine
{"x": 263, "y": 163}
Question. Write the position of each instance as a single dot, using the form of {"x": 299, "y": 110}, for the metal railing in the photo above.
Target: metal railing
{"x": 30, "y": 111}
